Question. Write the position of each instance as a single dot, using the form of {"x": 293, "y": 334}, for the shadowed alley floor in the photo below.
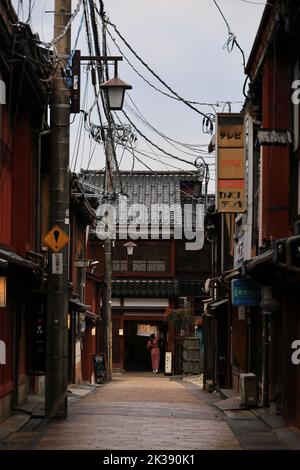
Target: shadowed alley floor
{"x": 135, "y": 411}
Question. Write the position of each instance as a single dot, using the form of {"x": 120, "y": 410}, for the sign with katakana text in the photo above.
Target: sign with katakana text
{"x": 230, "y": 164}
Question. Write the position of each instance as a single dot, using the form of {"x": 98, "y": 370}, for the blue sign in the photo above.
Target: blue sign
{"x": 243, "y": 293}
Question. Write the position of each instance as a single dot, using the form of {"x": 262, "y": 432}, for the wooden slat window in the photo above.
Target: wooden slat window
{"x": 145, "y": 258}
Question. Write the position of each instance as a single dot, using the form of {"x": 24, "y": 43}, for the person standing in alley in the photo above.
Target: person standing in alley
{"x": 153, "y": 345}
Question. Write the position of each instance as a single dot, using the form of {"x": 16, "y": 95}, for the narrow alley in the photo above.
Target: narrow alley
{"x": 139, "y": 411}
{"x": 149, "y": 232}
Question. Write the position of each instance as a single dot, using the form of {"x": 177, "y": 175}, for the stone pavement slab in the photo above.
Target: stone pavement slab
{"x": 137, "y": 411}
{"x": 12, "y": 424}
{"x": 148, "y": 412}
{"x": 253, "y": 433}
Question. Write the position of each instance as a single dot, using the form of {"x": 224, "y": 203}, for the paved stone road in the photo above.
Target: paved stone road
{"x": 140, "y": 411}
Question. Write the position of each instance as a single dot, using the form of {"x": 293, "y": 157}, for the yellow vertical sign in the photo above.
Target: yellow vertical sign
{"x": 230, "y": 166}
{"x": 2, "y": 291}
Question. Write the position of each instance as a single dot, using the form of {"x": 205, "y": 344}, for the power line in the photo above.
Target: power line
{"x": 66, "y": 28}
{"x": 232, "y": 40}
{"x": 151, "y": 152}
{"x": 180, "y": 98}
{"x": 171, "y": 166}
{"x": 30, "y": 8}
{"x": 140, "y": 161}
{"x": 158, "y": 159}
{"x": 213, "y": 105}
{"x": 255, "y": 3}
{"x": 170, "y": 141}
{"x": 91, "y": 154}
{"x": 160, "y": 134}
{"x": 155, "y": 145}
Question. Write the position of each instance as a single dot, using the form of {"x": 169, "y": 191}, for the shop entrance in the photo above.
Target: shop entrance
{"x": 137, "y": 356}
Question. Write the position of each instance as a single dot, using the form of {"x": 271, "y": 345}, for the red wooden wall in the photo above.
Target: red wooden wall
{"x": 275, "y": 160}
{"x": 24, "y": 186}
{"x": 5, "y": 184}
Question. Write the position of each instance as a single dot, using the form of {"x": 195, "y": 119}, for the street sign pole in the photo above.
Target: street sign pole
{"x": 57, "y": 298}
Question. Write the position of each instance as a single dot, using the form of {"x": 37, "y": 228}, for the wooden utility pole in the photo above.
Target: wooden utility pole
{"x": 108, "y": 192}
{"x": 57, "y": 302}
{"x": 109, "y": 170}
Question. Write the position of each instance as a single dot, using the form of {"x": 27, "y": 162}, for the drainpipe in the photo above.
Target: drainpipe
{"x": 38, "y": 189}
{"x": 222, "y": 242}
{"x": 268, "y": 306}
{"x": 266, "y": 358}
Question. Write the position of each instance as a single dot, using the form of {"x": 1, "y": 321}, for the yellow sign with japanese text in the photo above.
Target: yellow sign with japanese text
{"x": 230, "y": 164}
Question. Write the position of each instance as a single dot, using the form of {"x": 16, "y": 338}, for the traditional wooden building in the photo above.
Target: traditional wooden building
{"x": 22, "y": 123}
{"x": 161, "y": 275}
{"x": 85, "y": 290}
{"x": 274, "y": 114}
{"x": 262, "y": 335}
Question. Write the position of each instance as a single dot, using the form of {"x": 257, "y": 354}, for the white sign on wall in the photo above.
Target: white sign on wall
{"x": 168, "y": 363}
{"x": 57, "y": 263}
{"x": 2, "y": 352}
{"x": 2, "y": 92}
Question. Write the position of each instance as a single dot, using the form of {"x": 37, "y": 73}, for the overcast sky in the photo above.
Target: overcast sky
{"x": 182, "y": 40}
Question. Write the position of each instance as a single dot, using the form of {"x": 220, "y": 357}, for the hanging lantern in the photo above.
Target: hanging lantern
{"x": 115, "y": 92}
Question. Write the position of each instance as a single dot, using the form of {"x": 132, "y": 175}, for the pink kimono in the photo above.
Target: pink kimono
{"x": 155, "y": 353}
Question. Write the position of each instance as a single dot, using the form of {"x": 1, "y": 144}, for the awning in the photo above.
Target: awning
{"x": 9, "y": 257}
{"x": 92, "y": 316}
{"x": 261, "y": 268}
{"x": 75, "y": 304}
{"x": 232, "y": 274}
{"x": 219, "y": 304}
{"x": 259, "y": 260}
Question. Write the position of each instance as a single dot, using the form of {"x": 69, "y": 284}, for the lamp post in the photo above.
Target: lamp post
{"x": 114, "y": 92}
{"x": 130, "y": 247}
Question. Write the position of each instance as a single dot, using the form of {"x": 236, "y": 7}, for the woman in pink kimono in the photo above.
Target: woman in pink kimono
{"x": 155, "y": 352}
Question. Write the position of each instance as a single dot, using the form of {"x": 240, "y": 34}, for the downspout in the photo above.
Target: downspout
{"x": 38, "y": 188}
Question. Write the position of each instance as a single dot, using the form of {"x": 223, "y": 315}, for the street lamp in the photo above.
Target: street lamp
{"x": 115, "y": 91}
{"x": 114, "y": 88}
{"x": 130, "y": 247}
{"x": 93, "y": 265}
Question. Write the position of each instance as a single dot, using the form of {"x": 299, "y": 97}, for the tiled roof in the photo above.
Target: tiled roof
{"x": 156, "y": 187}
{"x": 144, "y": 288}
{"x": 148, "y": 189}
{"x": 156, "y": 288}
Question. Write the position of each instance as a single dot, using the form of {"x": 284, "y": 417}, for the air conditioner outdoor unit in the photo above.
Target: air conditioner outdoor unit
{"x": 248, "y": 390}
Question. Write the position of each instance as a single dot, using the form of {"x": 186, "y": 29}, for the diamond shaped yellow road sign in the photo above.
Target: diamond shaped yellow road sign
{"x": 56, "y": 238}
